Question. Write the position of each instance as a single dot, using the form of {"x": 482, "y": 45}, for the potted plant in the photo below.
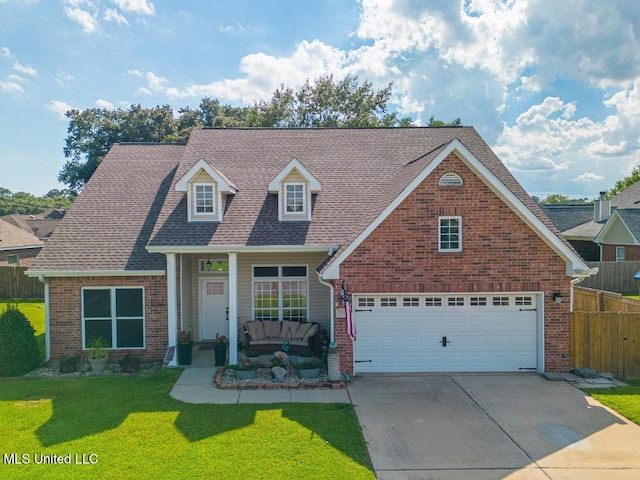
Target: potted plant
{"x": 245, "y": 369}
{"x": 309, "y": 369}
{"x": 304, "y": 355}
{"x": 129, "y": 363}
{"x": 185, "y": 348}
{"x": 69, "y": 364}
{"x": 220, "y": 349}
{"x": 252, "y": 355}
{"x": 98, "y": 355}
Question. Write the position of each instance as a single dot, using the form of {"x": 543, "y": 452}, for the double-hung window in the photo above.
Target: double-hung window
{"x": 280, "y": 293}
{"x": 294, "y": 198}
{"x": 619, "y": 254}
{"x": 204, "y": 199}
{"x": 450, "y": 234}
{"x": 115, "y": 314}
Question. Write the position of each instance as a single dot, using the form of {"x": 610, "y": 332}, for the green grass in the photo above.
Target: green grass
{"x": 136, "y": 430}
{"x": 624, "y": 400}
{"x": 34, "y": 311}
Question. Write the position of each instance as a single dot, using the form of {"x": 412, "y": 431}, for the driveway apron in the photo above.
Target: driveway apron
{"x": 490, "y": 426}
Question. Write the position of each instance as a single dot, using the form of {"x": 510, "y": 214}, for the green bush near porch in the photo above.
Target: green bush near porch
{"x": 136, "y": 430}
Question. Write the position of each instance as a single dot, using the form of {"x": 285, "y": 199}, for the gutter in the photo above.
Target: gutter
{"x": 47, "y": 319}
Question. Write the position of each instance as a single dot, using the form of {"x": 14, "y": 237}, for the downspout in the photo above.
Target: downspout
{"x": 573, "y": 283}
{"x": 331, "y": 310}
{"x": 47, "y": 326}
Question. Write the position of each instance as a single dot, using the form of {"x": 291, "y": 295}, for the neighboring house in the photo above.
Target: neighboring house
{"x": 449, "y": 263}
{"x": 607, "y": 231}
{"x": 41, "y": 224}
{"x": 17, "y": 247}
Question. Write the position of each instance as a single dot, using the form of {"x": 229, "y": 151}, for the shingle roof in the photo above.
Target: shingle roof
{"x": 131, "y": 201}
{"x": 628, "y": 198}
{"x": 631, "y": 218}
{"x": 12, "y": 237}
{"x": 109, "y": 224}
{"x": 566, "y": 217}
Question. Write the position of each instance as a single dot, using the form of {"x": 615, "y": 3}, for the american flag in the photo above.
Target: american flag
{"x": 351, "y": 327}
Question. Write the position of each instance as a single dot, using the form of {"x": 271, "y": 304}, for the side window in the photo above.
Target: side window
{"x": 450, "y": 234}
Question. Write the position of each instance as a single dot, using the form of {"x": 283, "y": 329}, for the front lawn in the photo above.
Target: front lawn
{"x": 624, "y": 400}
{"x": 129, "y": 427}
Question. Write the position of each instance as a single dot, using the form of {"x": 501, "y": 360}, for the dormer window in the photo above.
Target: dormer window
{"x": 294, "y": 197}
{"x": 294, "y": 185}
{"x": 207, "y": 190}
{"x": 204, "y": 199}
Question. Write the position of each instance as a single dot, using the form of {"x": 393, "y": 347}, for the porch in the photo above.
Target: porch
{"x": 215, "y": 293}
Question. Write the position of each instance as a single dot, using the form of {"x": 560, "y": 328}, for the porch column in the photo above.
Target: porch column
{"x": 233, "y": 308}
{"x": 172, "y": 307}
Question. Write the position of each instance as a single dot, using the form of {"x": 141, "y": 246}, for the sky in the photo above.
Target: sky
{"x": 552, "y": 87}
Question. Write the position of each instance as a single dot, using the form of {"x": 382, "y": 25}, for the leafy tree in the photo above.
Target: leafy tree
{"x": 28, "y": 204}
{"x": 625, "y": 183}
{"x": 439, "y": 123}
{"x": 557, "y": 199}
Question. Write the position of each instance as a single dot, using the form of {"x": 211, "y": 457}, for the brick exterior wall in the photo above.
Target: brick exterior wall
{"x": 26, "y": 256}
{"x": 631, "y": 253}
{"x": 500, "y": 253}
{"x": 65, "y": 313}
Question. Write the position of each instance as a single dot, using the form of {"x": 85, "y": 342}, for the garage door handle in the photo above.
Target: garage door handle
{"x": 358, "y": 310}
{"x": 444, "y": 341}
{"x": 528, "y": 309}
{"x": 362, "y": 361}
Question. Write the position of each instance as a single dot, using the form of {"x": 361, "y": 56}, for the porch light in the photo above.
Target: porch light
{"x": 557, "y": 297}
{"x": 208, "y": 264}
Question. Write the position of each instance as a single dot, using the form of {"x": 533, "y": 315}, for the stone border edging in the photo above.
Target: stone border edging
{"x": 324, "y": 385}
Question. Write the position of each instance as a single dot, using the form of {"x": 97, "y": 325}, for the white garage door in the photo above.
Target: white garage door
{"x": 445, "y": 333}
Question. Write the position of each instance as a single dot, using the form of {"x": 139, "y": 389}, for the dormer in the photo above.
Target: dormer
{"x": 207, "y": 191}
{"x": 294, "y": 186}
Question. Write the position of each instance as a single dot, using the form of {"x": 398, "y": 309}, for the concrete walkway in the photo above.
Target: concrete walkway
{"x": 194, "y": 386}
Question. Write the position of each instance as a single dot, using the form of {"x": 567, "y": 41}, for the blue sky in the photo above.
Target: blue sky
{"x": 551, "y": 86}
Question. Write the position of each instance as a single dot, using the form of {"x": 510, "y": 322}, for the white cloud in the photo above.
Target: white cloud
{"x": 26, "y": 69}
{"x": 11, "y": 87}
{"x": 59, "y": 108}
{"x": 16, "y": 78}
{"x": 141, "y": 7}
{"x": 85, "y": 19}
{"x": 112, "y": 15}
{"x": 231, "y": 28}
{"x": 63, "y": 79}
{"x": 101, "y": 103}
{"x": 587, "y": 177}
{"x": 5, "y": 52}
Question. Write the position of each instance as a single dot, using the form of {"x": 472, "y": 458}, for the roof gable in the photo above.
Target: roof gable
{"x": 224, "y": 185}
{"x": 622, "y": 227}
{"x": 294, "y": 164}
{"x": 575, "y": 265}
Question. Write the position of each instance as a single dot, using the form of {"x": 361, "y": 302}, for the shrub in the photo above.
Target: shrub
{"x": 129, "y": 363}
{"x": 69, "y": 364}
{"x": 19, "y": 352}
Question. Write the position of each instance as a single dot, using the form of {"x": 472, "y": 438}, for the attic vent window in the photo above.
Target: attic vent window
{"x": 450, "y": 180}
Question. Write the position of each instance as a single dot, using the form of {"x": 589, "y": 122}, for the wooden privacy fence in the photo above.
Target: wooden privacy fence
{"x": 606, "y": 341}
{"x": 590, "y": 300}
{"x": 15, "y": 284}
{"x": 613, "y": 276}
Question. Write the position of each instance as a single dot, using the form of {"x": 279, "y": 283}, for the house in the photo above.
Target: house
{"x": 607, "y": 231}
{"x": 41, "y": 224}
{"x": 449, "y": 264}
{"x": 18, "y": 248}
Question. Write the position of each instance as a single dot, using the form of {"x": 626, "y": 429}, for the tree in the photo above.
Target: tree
{"x": 439, "y": 123}
{"x": 557, "y": 199}
{"x": 625, "y": 183}
{"x": 28, "y": 204}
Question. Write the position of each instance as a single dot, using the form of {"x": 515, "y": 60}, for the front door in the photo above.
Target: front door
{"x": 214, "y": 306}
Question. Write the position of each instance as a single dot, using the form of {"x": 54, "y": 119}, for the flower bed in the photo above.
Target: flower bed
{"x": 225, "y": 379}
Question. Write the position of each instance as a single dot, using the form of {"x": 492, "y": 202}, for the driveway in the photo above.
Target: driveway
{"x": 491, "y": 427}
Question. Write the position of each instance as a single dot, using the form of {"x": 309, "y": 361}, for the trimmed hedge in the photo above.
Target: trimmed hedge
{"x": 19, "y": 352}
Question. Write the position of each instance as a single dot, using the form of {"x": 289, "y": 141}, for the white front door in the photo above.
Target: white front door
{"x": 214, "y": 306}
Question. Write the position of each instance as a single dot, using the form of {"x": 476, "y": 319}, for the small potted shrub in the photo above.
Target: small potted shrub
{"x": 304, "y": 355}
{"x": 245, "y": 369}
{"x": 69, "y": 364}
{"x": 98, "y": 355}
{"x": 129, "y": 363}
{"x": 185, "y": 348}
{"x": 309, "y": 369}
{"x": 252, "y": 355}
{"x": 220, "y": 349}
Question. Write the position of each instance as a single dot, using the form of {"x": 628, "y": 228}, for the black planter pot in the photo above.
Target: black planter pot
{"x": 184, "y": 353}
{"x": 220, "y": 354}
